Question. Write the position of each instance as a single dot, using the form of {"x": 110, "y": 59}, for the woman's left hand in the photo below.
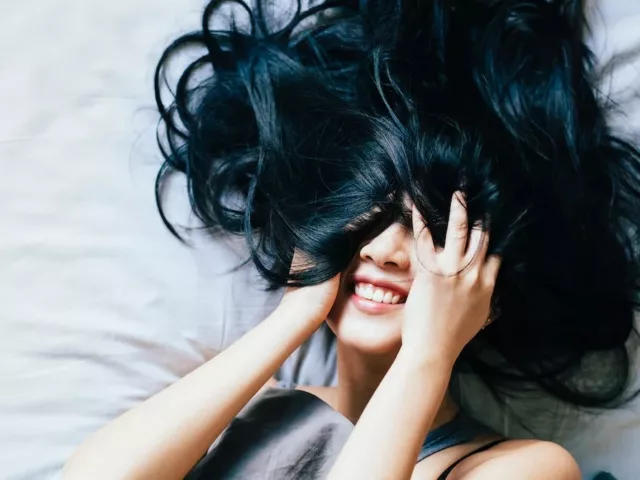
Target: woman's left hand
{"x": 450, "y": 297}
{"x": 448, "y": 303}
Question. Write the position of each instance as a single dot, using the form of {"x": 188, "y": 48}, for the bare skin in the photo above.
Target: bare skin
{"x": 395, "y": 357}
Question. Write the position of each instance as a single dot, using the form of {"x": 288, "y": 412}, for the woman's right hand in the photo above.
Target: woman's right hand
{"x": 450, "y": 298}
{"x": 313, "y": 302}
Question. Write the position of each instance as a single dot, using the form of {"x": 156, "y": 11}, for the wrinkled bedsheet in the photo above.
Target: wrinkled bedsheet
{"x": 100, "y": 307}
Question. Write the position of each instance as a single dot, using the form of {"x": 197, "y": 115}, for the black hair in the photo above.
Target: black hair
{"x": 306, "y": 128}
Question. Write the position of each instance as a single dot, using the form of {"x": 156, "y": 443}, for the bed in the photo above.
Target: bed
{"x": 100, "y": 307}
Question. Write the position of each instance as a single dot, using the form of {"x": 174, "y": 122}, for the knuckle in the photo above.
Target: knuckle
{"x": 473, "y": 276}
{"x": 487, "y": 284}
{"x": 459, "y": 230}
{"x": 460, "y": 226}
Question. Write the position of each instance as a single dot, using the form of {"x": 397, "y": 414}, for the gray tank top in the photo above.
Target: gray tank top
{"x": 289, "y": 434}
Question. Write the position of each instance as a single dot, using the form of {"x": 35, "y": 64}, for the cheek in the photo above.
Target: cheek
{"x": 337, "y": 311}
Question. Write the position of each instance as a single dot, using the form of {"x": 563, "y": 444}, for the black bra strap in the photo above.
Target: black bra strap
{"x": 484, "y": 448}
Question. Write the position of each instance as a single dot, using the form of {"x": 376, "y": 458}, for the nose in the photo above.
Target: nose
{"x": 390, "y": 249}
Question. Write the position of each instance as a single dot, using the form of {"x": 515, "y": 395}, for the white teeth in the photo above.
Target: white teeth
{"x": 368, "y": 292}
{"x": 379, "y": 295}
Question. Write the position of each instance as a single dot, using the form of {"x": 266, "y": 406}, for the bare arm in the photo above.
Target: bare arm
{"x": 388, "y": 435}
{"x": 165, "y": 436}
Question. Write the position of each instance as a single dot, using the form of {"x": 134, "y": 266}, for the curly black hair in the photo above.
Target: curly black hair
{"x": 308, "y": 127}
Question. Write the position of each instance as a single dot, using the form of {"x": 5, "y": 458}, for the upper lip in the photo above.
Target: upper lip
{"x": 381, "y": 282}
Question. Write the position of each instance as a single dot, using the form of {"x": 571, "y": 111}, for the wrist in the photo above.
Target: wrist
{"x": 423, "y": 361}
{"x": 293, "y": 312}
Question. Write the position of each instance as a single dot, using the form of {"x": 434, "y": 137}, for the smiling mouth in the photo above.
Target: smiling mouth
{"x": 378, "y": 294}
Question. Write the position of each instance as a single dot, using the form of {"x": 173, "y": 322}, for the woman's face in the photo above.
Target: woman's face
{"x": 367, "y": 313}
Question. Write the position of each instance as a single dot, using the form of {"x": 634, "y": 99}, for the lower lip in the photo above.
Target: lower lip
{"x": 373, "y": 308}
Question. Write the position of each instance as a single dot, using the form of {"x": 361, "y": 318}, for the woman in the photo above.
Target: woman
{"x": 395, "y": 356}
{"x": 384, "y": 143}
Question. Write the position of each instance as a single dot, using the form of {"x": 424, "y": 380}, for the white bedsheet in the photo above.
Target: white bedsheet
{"x": 99, "y": 306}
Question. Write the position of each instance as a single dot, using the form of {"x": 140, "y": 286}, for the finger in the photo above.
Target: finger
{"x": 300, "y": 262}
{"x": 484, "y": 244}
{"x": 477, "y": 245}
{"x": 421, "y": 235}
{"x": 457, "y": 230}
{"x": 492, "y": 268}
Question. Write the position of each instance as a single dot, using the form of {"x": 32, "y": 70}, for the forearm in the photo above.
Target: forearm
{"x": 387, "y": 438}
{"x": 165, "y": 436}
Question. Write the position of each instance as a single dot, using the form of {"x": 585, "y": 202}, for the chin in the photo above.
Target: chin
{"x": 378, "y": 335}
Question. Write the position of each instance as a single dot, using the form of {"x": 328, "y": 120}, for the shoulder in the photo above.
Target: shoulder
{"x": 541, "y": 460}
{"x": 522, "y": 459}
{"x": 526, "y": 459}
